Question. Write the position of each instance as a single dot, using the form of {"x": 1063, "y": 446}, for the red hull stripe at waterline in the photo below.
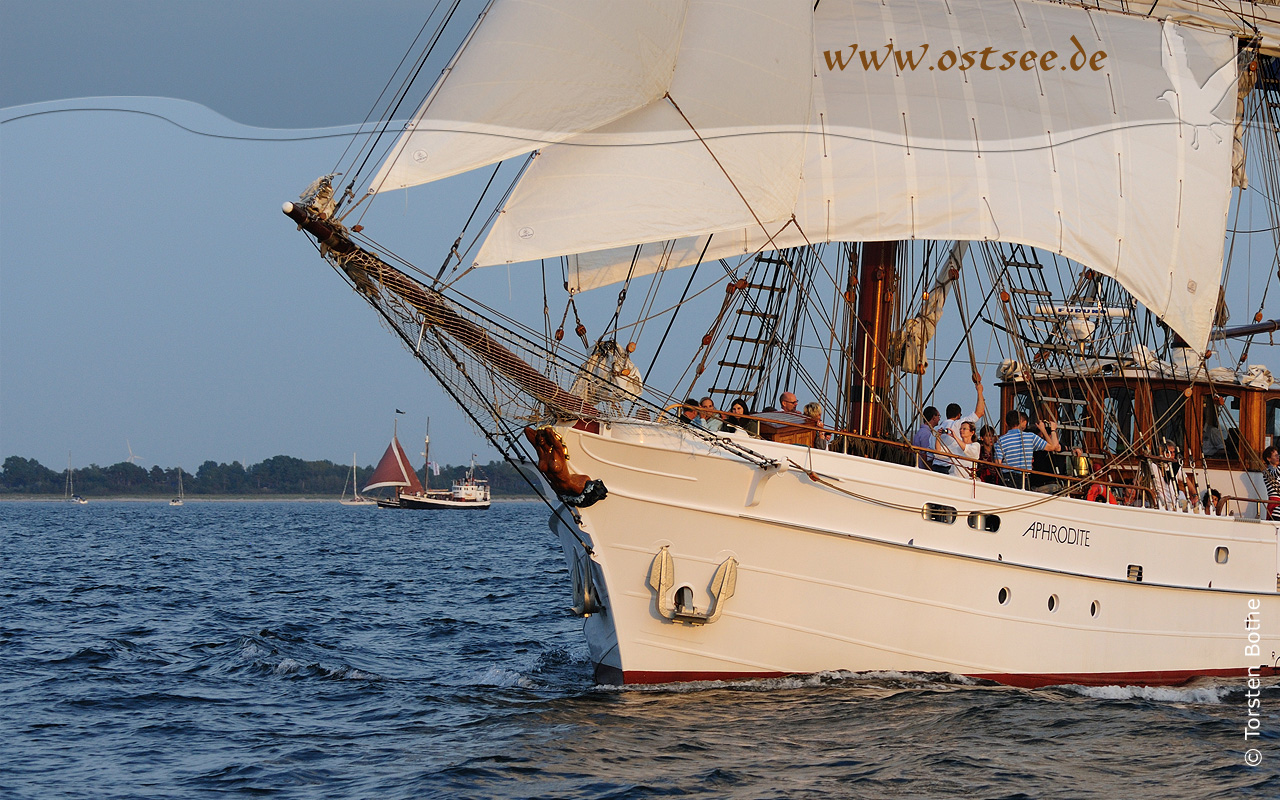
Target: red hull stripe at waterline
{"x": 1029, "y": 681}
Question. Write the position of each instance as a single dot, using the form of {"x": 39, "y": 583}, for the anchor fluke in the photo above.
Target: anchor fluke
{"x": 662, "y": 576}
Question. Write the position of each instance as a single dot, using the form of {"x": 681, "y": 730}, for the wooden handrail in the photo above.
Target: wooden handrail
{"x": 1079, "y": 481}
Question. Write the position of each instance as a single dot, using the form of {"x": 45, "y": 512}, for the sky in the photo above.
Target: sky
{"x": 153, "y": 297}
{"x": 152, "y": 294}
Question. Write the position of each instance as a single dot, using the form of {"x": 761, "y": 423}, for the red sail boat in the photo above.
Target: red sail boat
{"x": 394, "y": 471}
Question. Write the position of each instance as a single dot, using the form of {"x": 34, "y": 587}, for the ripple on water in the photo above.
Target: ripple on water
{"x": 303, "y": 650}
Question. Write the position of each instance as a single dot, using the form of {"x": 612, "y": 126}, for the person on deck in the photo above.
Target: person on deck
{"x": 690, "y": 413}
{"x": 949, "y": 431}
{"x": 736, "y": 419}
{"x": 710, "y": 417}
{"x": 924, "y": 438}
{"x": 1175, "y": 484}
{"x": 813, "y": 414}
{"x": 1212, "y": 504}
{"x": 1018, "y": 445}
{"x": 986, "y": 472}
{"x": 788, "y": 402}
{"x": 1271, "y": 476}
{"x": 967, "y": 446}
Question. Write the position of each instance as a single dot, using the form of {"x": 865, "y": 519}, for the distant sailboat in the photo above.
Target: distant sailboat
{"x": 70, "y": 495}
{"x": 393, "y": 471}
{"x": 177, "y": 501}
{"x": 357, "y": 499}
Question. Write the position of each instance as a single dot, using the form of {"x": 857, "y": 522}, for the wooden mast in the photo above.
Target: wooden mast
{"x": 877, "y": 284}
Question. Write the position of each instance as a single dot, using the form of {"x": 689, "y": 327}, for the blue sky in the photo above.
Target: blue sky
{"x": 151, "y": 291}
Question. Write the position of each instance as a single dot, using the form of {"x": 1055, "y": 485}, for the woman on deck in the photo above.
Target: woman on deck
{"x": 987, "y": 454}
{"x": 1271, "y": 475}
{"x": 734, "y": 420}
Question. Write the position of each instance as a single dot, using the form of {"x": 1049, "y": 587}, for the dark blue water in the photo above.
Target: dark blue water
{"x": 309, "y": 650}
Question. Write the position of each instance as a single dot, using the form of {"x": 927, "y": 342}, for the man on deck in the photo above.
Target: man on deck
{"x": 949, "y": 431}
{"x": 924, "y": 438}
{"x": 1018, "y": 446}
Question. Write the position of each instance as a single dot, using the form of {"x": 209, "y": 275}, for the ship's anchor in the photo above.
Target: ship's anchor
{"x": 662, "y": 576}
{"x": 586, "y": 601}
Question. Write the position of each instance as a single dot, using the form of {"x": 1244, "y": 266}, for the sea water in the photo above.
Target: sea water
{"x": 313, "y": 650}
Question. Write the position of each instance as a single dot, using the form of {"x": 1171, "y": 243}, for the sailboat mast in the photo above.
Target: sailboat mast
{"x": 426, "y": 457}
{"x": 877, "y": 283}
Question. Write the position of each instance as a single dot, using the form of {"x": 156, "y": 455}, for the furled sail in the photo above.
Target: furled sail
{"x": 532, "y": 73}
{"x": 908, "y": 348}
{"x": 394, "y": 470}
{"x": 1102, "y": 137}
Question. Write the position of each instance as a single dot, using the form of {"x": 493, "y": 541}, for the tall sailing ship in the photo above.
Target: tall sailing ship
{"x": 1078, "y": 186}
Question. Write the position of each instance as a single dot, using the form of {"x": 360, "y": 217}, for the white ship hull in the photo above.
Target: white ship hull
{"x": 829, "y": 581}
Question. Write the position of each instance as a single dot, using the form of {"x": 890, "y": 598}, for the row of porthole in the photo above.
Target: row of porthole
{"x": 1005, "y": 595}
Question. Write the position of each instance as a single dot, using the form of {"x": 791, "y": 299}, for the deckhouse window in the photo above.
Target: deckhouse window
{"x": 1273, "y": 422}
{"x": 1168, "y": 408}
{"x": 1220, "y": 435}
{"x": 1117, "y": 419}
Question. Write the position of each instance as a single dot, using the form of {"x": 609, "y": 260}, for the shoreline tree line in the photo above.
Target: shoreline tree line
{"x": 278, "y": 475}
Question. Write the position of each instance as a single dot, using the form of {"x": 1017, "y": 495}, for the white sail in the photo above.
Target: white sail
{"x": 724, "y": 149}
{"x": 1111, "y": 147}
{"x": 535, "y": 72}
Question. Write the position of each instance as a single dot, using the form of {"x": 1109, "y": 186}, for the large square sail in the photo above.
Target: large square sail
{"x": 1105, "y": 138}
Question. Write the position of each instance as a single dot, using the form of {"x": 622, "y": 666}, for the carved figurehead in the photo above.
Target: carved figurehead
{"x": 553, "y": 463}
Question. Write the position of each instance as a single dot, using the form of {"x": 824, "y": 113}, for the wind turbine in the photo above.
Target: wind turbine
{"x": 132, "y": 458}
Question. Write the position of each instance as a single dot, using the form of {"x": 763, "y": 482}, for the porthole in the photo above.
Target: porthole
{"x": 1053, "y": 602}
{"x": 1003, "y": 596}
{"x": 1220, "y": 555}
{"x": 939, "y": 513}
{"x": 1093, "y": 608}
{"x": 984, "y": 522}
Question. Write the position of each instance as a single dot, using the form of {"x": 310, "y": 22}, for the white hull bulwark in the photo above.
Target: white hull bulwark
{"x": 813, "y": 578}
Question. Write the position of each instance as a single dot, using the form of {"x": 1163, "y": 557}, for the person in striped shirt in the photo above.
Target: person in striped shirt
{"x": 1018, "y": 446}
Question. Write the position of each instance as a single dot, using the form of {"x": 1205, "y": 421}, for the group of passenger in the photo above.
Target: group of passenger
{"x": 951, "y": 447}
{"x": 958, "y": 446}
{"x": 704, "y": 414}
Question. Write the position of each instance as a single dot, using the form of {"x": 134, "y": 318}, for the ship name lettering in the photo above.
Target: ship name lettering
{"x": 1062, "y": 534}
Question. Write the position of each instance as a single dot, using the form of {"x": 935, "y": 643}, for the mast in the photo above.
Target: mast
{"x": 877, "y": 282}
{"x": 426, "y": 456}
